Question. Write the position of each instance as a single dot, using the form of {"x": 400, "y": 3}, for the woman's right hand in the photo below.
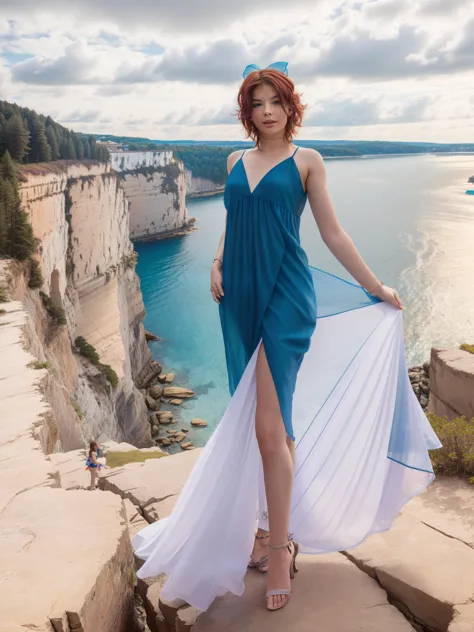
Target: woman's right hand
{"x": 216, "y": 281}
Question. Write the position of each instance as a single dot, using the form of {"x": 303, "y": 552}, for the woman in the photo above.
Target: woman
{"x": 341, "y": 388}
{"x": 92, "y": 464}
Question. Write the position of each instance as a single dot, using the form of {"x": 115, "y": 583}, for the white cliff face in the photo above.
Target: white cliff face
{"x": 200, "y": 186}
{"x": 155, "y": 186}
{"x": 81, "y": 218}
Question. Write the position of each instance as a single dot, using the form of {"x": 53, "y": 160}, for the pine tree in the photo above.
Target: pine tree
{"x": 3, "y": 216}
{"x": 63, "y": 148}
{"x": 42, "y": 148}
{"x": 17, "y": 233}
{"x": 87, "y": 148}
{"x": 53, "y": 142}
{"x": 93, "y": 146}
{"x": 20, "y": 238}
{"x": 71, "y": 150}
{"x": 17, "y": 138}
{"x": 78, "y": 147}
{"x": 7, "y": 168}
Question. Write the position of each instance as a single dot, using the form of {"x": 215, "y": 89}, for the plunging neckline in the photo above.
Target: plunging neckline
{"x": 252, "y": 191}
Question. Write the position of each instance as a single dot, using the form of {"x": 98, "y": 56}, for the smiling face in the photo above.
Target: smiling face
{"x": 269, "y": 114}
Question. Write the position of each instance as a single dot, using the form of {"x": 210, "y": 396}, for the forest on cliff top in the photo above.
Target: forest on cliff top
{"x": 31, "y": 137}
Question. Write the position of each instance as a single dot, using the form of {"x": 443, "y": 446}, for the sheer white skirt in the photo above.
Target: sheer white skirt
{"x": 362, "y": 452}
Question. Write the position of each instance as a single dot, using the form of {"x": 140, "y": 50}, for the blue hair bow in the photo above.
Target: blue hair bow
{"x": 282, "y": 66}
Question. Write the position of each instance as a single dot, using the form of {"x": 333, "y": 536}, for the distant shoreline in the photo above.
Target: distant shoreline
{"x": 205, "y": 194}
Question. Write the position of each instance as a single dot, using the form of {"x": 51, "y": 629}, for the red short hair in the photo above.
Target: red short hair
{"x": 285, "y": 88}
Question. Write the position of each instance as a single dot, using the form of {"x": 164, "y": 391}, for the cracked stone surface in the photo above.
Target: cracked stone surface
{"x": 425, "y": 562}
{"x": 448, "y": 506}
{"x": 152, "y": 481}
{"x": 329, "y": 594}
{"x": 22, "y": 461}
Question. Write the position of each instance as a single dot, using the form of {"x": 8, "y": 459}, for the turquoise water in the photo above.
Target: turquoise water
{"x": 409, "y": 217}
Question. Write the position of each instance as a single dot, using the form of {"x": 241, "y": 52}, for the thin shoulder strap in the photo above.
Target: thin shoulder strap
{"x": 242, "y": 154}
{"x": 294, "y": 152}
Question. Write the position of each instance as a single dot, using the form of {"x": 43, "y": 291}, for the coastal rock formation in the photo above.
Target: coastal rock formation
{"x": 420, "y": 381}
{"x": 195, "y": 187}
{"x": 65, "y": 559}
{"x": 80, "y": 218}
{"x": 155, "y": 186}
{"x": 451, "y": 383}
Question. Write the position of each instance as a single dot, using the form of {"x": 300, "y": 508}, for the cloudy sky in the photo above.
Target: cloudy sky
{"x": 170, "y": 69}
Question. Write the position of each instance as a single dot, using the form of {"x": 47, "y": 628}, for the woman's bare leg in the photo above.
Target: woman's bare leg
{"x": 278, "y": 471}
{"x": 93, "y": 479}
{"x": 260, "y": 546}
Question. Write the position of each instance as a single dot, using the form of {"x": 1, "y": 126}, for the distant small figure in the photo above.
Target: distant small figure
{"x": 92, "y": 464}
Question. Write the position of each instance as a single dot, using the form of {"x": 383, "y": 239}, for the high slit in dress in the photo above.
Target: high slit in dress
{"x": 337, "y": 360}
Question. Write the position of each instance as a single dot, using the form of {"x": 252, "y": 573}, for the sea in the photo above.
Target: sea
{"x": 411, "y": 220}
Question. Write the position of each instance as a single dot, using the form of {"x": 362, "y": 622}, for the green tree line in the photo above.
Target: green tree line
{"x": 16, "y": 234}
{"x": 31, "y": 137}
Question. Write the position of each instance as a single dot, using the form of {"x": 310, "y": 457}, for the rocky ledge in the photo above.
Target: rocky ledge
{"x": 417, "y": 576}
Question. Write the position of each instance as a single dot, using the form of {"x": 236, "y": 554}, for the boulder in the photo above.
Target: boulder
{"x": 175, "y": 402}
{"x": 149, "y": 337}
{"x": 166, "y": 378}
{"x": 155, "y": 391}
{"x": 178, "y": 392}
{"x": 451, "y": 383}
{"x": 199, "y": 423}
{"x": 148, "y": 374}
{"x": 179, "y": 436}
{"x": 150, "y": 402}
{"x": 187, "y": 445}
{"x": 164, "y": 416}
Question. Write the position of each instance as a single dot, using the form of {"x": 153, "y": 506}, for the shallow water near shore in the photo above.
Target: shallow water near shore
{"x": 409, "y": 217}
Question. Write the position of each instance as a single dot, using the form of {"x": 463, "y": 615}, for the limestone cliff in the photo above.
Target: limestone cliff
{"x": 196, "y": 187}
{"x": 80, "y": 217}
{"x": 155, "y": 185}
{"x": 65, "y": 556}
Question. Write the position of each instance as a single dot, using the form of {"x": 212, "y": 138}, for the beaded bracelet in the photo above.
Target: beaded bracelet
{"x": 217, "y": 259}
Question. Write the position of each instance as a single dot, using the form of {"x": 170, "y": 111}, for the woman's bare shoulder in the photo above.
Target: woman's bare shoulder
{"x": 232, "y": 159}
{"x": 311, "y": 156}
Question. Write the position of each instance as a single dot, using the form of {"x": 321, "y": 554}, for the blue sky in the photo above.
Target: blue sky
{"x": 377, "y": 69}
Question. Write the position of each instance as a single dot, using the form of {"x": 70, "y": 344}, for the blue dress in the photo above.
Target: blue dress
{"x": 361, "y": 437}
{"x": 268, "y": 286}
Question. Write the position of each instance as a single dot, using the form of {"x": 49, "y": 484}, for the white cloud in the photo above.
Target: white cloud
{"x": 161, "y": 69}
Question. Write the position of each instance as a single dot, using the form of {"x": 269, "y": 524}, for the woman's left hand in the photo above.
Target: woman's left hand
{"x": 389, "y": 295}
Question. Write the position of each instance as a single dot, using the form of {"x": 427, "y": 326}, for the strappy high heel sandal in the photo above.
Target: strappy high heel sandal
{"x": 261, "y": 564}
{"x": 293, "y": 570}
